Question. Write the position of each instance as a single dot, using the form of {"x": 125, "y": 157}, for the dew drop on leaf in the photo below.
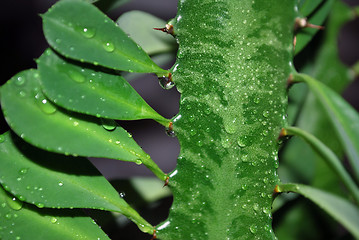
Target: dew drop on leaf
{"x": 138, "y": 162}
{"x": 23, "y": 171}
{"x": 40, "y": 205}
{"x": 109, "y": 47}
{"x": 53, "y": 220}
{"x": 14, "y": 203}
{"x": 76, "y": 76}
{"x": 87, "y": 32}
{"x": 20, "y": 81}
{"x": 22, "y": 94}
{"x": 108, "y": 124}
{"x": 45, "y": 105}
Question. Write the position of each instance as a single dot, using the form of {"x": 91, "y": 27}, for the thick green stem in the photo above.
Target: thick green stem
{"x": 233, "y": 62}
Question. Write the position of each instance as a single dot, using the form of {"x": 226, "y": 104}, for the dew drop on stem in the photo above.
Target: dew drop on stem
{"x": 166, "y": 82}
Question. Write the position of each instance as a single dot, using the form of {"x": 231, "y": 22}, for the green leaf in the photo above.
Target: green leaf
{"x": 305, "y": 35}
{"x": 343, "y": 117}
{"x": 309, "y": 115}
{"x": 306, "y": 7}
{"x": 340, "y": 209}
{"x": 139, "y": 26}
{"x": 54, "y": 129}
{"x": 151, "y": 189}
{"x": 80, "y": 31}
{"x": 85, "y": 90}
{"x": 56, "y": 181}
{"x": 329, "y": 157}
{"x": 108, "y": 5}
{"x": 30, "y": 222}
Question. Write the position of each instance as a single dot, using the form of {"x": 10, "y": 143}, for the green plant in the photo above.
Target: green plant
{"x": 234, "y": 66}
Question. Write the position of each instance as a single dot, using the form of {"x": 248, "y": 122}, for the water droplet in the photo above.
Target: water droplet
{"x": 45, "y": 105}
{"x": 192, "y": 132}
{"x": 170, "y": 132}
{"x": 266, "y": 114}
{"x": 226, "y": 143}
{"x": 2, "y": 138}
{"x": 53, "y": 220}
{"x": 138, "y": 162}
{"x": 23, "y": 171}
{"x": 109, "y": 47}
{"x": 266, "y": 210}
{"x": 241, "y": 142}
{"x": 166, "y": 82}
{"x": 61, "y": 184}
{"x": 8, "y": 216}
{"x": 76, "y": 76}
{"x": 20, "y": 81}
{"x": 122, "y": 194}
{"x": 230, "y": 126}
{"x": 88, "y": 32}
{"x": 108, "y": 124}
{"x": 22, "y": 94}
{"x": 40, "y": 205}
{"x": 21, "y": 198}
{"x": 253, "y": 228}
{"x": 267, "y": 227}
{"x": 14, "y": 203}
{"x": 256, "y": 207}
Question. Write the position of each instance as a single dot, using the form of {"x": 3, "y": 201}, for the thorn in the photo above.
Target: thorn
{"x": 303, "y": 23}
{"x": 166, "y": 181}
{"x": 277, "y": 189}
{"x": 309, "y": 25}
{"x": 294, "y": 42}
{"x": 282, "y": 134}
{"x": 168, "y": 29}
{"x": 290, "y": 81}
{"x": 169, "y": 130}
{"x": 154, "y": 236}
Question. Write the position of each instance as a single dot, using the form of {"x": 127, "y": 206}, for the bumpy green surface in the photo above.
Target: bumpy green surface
{"x": 233, "y": 63}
